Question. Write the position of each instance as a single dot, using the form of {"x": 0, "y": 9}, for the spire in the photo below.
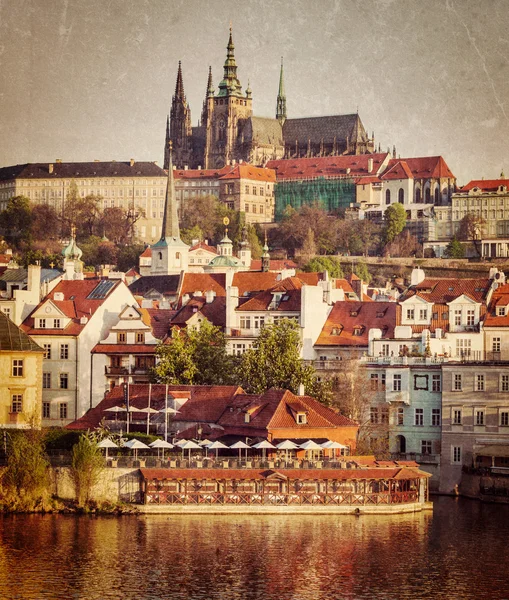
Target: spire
{"x": 179, "y": 86}
{"x": 281, "y": 98}
{"x": 230, "y": 83}
{"x": 170, "y": 227}
{"x": 210, "y": 85}
{"x": 265, "y": 256}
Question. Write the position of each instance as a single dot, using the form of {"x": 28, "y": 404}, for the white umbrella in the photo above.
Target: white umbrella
{"x": 180, "y": 443}
{"x": 240, "y": 445}
{"x": 310, "y": 446}
{"x": 169, "y": 411}
{"x": 215, "y": 446}
{"x": 204, "y": 442}
{"x": 263, "y": 445}
{"x": 189, "y": 445}
{"x": 136, "y": 445}
{"x": 287, "y": 445}
{"x": 116, "y": 409}
{"x": 106, "y": 443}
{"x": 161, "y": 444}
{"x": 149, "y": 411}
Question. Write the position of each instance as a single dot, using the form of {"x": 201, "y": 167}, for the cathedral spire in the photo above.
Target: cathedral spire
{"x": 281, "y": 98}
{"x": 179, "y": 86}
{"x": 210, "y": 85}
{"x": 230, "y": 83}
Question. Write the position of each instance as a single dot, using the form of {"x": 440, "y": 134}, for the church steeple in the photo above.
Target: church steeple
{"x": 281, "y": 98}
{"x": 180, "y": 126}
{"x": 209, "y": 94}
{"x": 179, "y": 86}
{"x": 230, "y": 85}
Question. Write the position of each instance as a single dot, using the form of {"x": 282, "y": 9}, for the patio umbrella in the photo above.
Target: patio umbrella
{"x": 330, "y": 445}
{"x": 136, "y": 445}
{"x": 215, "y": 446}
{"x": 263, "y": 445}
{"x": 189, "y": 445}
{"x": 240, "y": 445}
{"x": 161, "y": 444}
{"x": 287, "y": 445}
{"x": 167, "y": 411}
{"x": 204, "y": 442}
{"x": 310, "y": 446}
{"x": 149, "y": 411}
{"x": 180, "y": 443}
{"x": 106, "y": 443}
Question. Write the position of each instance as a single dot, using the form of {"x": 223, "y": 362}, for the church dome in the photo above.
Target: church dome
{"x": 72, "y": 252}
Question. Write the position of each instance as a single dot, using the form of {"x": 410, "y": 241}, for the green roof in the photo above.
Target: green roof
{"x": 13, "y": 339}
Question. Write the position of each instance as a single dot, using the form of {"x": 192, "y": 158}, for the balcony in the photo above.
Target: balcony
{"x": 402, "y": 361}
{"x": 128, "y": 370}
{"x": 422, "y": 459}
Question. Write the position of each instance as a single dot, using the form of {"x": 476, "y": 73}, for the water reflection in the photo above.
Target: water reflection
{"x": 457, "y": 552}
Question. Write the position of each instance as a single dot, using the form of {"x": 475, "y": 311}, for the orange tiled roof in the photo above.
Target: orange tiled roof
{"x": 245, "y": 171}
{"x": 274, "y": 265}
{"x": 214, "y": 311}
{"x": 75, "y": 305}
{"x": 147, "y": 253}
{"x": 426, "y": 167}
{"x": 485, "y": 185}
{"x": 124, "y": 349}
{"x": 202, "y": 282}
{"x": 397, "y": 170}
{"x": 444, "y": 290}
{"x": 349, "y": 322}
{"x": 500, "y": 298}
{"x": 290, "y": 301}
{"x": 203, "y": 246}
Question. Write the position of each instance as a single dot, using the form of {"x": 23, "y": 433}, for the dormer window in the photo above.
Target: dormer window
{"x": 501, "y": 311}
{"x": 247, "y": 418}
{"x": 121, "y": 337}
{"x": 301, "y": 418}
{"x": 42, "y": 323}
{"x": 337, "y": 330}
{"x": 410, "y": 314}
{"x": 353, "y": 313}
{"x": 56, "y": 324}
{"x": 423, "y": 314}
{"x": 140, "y": 337}
{"x": 357, "y": 330}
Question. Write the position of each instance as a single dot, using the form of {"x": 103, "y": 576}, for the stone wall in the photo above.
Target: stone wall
{"x": 490, "y": 488}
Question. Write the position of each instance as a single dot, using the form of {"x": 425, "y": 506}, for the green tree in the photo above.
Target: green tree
{"x": 16, "y": 221}
{"x": 45, "y": 222}
{"x": 454, "y": 249}
{"x": 361, "y": 270}
{"x": 472, "y": 229}
{"x": 87, "y": 464}
{"x": 128, "y": 256}
{"x": 274, "y": 362}
{"x": 394, "y": 221}
{"x": 175, "y": 360}
{"x": 330, "y": 264}
{"x": 191, "y": 234}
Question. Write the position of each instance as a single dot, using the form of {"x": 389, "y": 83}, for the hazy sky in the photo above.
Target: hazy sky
{"x": 92, "y": 79}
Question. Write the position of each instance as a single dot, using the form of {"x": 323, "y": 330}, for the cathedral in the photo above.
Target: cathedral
{"x": 228, "y": 131}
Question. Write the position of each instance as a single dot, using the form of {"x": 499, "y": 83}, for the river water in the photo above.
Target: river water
{"x": 461, "y": 550}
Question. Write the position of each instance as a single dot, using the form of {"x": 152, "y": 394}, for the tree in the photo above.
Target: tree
{"x": 87, "y": 464}
{"x": 274, "y": 362}
{"x": 404, "y": 244}
{"x": 330, "y": 264}
{"x": 308, "y": 250}
{"x": 295, "y": 225}
{"x": 358, "y": 237}
{"x": 472, "y": 229}
{"x": 16, "y": 221}
{"x": 45, "y": 222}
{"x": 175, "y": 363}
{"x": 128, "y": 256}
{"x": 394, "y": 221}
{"x": 361, "y": 270}
{"x": 201, "y": 212}
{"x": 454, "y": 249}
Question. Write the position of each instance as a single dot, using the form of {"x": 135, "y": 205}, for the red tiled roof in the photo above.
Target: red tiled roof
{"x": 343, "y": 284}
{"x": 203, "y": 246}
{"x": 444, "y": 290}
{"x": 427, "y": 167}
{"x": 274, "y": 265}
{"x": 245, "y": 171}
{"x": 200, "y": 173}
{"x": 290, "y": 301}
{"x": 367, "y": 180}
{"x": 300, "y": 474}
{"x": 75, "y": 305}
{"x": 214, "y": 311}
{"x": 202, "y": 282}
{"x": 485, "y": 185}
{"x": 124, "y": 349}
{"x": 327, "y": 166}
{"x": 160, "y": 319}
{"x": 500, "y": 298}
{"x": 347, "y": 318}
{"x": 398, "y": 169}
{"x": 147, "y": 253}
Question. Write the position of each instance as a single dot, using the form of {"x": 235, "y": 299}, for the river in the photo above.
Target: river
{"x": 461, "y": 550}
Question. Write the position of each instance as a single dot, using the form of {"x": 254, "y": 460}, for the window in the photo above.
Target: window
{"x": 64, "y": 351}
{"x": 410, "y": 314}
{"x": 385, "y": 415}
{"x": 373, "y": 414}
{"x": 56, "y": 323}
{"x": 385, "y": 349}
{"x": 437, "y": 383}
{"x": 479, "y": 383}
{"x": 456, "y": 454}
{"x": 401, "y": 196}
{"x": 46, "y": 380}
{"x": 387, "y": 196}
{"x": 504, "y": 419}
{"x": 17, "y": 367}
{"x": 245, "y": 322}
{"x": 259, "y": 322}
{"x": 301, "y": 418}
{"x": 423, "y": 314}
{"x": 401, "y": 417}
{"x": 435, "y": 417}
{"x": 62, "y": 410}
{"x": 495, "y": 344}
{"x": 426, "y": 447}
{"x": 374, "y": 382}
{"x": 500, "y": 311}
{"x": 396, "y": 383}
{"x": 247, "y": 189}
{"x": 419, "y": 417}
{"x": 64, "y": 381}
{"x": 504, "y": 383}
{"x": 463, "y": 347}
{"x": 121, "y": 337}
{"x": 456, "y": 416}
{"x": 479, "y": 417}
{"x": 46, "y": 410}
{"x": 17, "y": 403}
{"x": 47, "y": 351}
{"x": 470, "y": 317}
{"x": 456, "y": 382}
{"x": 140, "y": 337}
{"x": 457, "y": 316}
{"x": 42, "y": 323}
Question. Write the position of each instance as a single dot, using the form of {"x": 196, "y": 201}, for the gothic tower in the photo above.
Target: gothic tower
{"x": 169, "y": 255}
{"x": 227, "y": 113}
{"x": 281, "y": 99}
{"x": 179, "y": 130}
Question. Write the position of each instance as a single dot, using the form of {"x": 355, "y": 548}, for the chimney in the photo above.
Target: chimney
{"x": 131, "y": 162}
{"x": 209, "y": 296}
{"x": 58, "y": 161}
{"x": 50, "y": 168}
{"x": 370, "y": 165}
{"x": 302, "y": 391}
{"x": 186, "y": 167}
{"x": 199, "y": 167}
{"x": 348, "y": 170}
{"x": 34, "y": 278}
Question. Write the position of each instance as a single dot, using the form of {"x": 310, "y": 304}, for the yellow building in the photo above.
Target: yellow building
{"x": 20, "y": 377}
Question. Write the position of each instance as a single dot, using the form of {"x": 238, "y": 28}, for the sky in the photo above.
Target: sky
{"x": 92, "y": 79}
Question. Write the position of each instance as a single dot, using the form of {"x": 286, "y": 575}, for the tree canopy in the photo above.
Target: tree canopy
{"x": 394, "y": 221}
{"x": 331, "y": 264}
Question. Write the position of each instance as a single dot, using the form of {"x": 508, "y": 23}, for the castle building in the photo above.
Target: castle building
{"x": 228, "y": 131}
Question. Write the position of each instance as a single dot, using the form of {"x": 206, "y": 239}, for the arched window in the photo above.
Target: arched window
{"x": 387, "y": 196}
{"x": 437, "y": 195}
{"x": 160, "y": 256}
{"x": 401, "y": 196}
{"x": 428, "y": 195}
{"x": 418, "y": 195}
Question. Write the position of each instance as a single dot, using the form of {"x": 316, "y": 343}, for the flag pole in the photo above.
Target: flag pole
{"x": 148, "y": 412}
